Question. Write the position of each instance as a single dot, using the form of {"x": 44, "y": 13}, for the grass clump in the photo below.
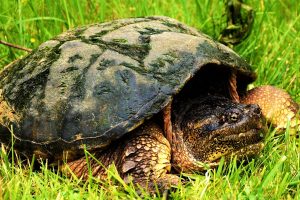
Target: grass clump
{"x": 272, "y": 49}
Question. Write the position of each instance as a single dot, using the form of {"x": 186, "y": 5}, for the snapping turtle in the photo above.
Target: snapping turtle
{"x": 146, "y": 94}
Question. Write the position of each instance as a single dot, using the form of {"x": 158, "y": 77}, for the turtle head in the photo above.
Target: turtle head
{"x": 212, "y": 127}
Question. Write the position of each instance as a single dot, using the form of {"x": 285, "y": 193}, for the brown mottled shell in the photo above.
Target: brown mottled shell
{"x": 91, "y": 85}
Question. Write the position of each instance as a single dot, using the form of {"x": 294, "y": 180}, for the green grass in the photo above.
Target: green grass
{"x": 272, "y": 49}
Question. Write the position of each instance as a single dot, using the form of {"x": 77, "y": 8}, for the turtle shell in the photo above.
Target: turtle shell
{"x": 91, "y": 85}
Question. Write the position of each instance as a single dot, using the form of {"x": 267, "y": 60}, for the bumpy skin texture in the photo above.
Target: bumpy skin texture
{"x": 208, "y": 128}
{"x": 90, "y": 86}
{"x": 205, "y": 129}
{"x": 143, "y": 158}
{"x": 277, "y": 106}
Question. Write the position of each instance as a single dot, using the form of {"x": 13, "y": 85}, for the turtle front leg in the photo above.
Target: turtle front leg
{"x": 276, "y": 105}
{"x": 144, "y": 159}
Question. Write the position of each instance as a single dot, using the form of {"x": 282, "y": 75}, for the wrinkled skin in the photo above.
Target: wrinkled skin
{"x": 205, "y": 129}
{"x": 211, "y": 127}
{"x": 90, "y": 86}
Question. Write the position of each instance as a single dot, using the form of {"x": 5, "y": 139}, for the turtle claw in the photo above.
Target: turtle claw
{"x": 277, "y": 107}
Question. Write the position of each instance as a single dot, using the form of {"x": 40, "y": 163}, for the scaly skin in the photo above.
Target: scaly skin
{"x": 143, "y": 158}
{"x": 205, "y": 129}
{"x": 276, "y": 105}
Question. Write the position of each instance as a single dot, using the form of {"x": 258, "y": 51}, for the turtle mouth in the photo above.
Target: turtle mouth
{"x": 248, "y": 151}
{"x": 243, "y": 145}
{"x": 243, "y": 139}
{"x": 249, "y": 137}
{"x": 243, "y": 153}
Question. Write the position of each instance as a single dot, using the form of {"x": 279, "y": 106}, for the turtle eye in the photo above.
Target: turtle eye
{"x": 234, "y": 117}
{"x": 231, "y": 116}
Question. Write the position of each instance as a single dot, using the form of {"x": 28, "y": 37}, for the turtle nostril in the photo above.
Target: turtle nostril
{"x": 256, "y": 109}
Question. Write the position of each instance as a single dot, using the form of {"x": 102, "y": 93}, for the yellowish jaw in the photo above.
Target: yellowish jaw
{"x": 247, "y": 151}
